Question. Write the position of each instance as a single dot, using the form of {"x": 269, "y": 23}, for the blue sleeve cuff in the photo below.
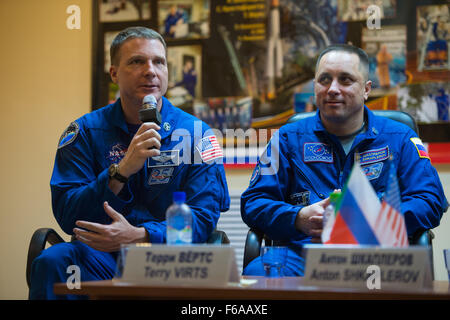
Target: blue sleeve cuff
{"x": 156, "y": 233}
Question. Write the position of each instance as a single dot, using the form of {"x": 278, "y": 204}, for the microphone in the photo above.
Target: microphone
{"x": 149, "y": 111}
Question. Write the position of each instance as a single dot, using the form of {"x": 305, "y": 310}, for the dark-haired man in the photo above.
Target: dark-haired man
{"x": 307, "y": 160}
{"x": 114, "y": 176}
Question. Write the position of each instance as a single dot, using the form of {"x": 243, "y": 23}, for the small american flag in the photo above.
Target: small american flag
{"x": 390, "y": 224}
{"x": 209, "y": 148}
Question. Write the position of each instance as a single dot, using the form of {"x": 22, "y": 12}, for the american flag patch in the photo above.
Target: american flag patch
{"x": 209, "y": 148}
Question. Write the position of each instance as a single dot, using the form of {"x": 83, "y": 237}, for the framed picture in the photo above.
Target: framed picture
{"x": 108, "y": 39}
{"x": 356, "y": 10}
{"x": 185, "y": 75}
{"x": 225, "y": 113}
{"x": 433, "y": 37}
{"x": 386, "y": 48}
{"x": 427, "y": 102}
{"x": 183, "y": 19}
{"x": 123, "y": 10}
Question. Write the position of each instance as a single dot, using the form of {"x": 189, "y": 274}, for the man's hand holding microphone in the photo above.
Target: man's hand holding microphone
{"x": 145, "y": 143}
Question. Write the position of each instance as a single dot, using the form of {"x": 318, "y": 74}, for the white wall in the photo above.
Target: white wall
{"x": 45, "y": 84}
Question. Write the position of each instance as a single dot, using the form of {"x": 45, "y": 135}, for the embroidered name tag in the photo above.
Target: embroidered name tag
{"x": 374, "y": 155}
{"x": 317, "y": 152}
{"x": 160, "y": 175}
{"x": 167, "y": 158}
{"x": 373, "y": 171}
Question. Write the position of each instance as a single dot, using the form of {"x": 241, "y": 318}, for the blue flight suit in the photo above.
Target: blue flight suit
{"x": 189, "y": 81}
{"x": 308, "y": 163}
{"x": 79, "y": 186}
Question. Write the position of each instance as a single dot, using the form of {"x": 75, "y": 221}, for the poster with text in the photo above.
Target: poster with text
{"x": 272, "y": 47}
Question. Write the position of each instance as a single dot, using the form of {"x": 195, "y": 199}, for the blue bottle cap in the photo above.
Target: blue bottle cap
{"x": 179, "y": 196}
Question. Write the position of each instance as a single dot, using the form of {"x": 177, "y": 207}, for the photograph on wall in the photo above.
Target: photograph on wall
{"x": 185, "y": 75}
{"x": 427, "y": 102}
{"x": 272, "y": 48}
{"x": 225, "y": 113}
{"x": 108, "y": 39}
{"x": 433, "y": 37}
{"x": 386, "y": 48}
{"x": 357, "y": 10}
{"x": 123, "y": 10}
{"x": 184, "y": 19}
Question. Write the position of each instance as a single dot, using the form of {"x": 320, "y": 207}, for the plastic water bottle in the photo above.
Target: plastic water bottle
{"x": 179, "y": 221}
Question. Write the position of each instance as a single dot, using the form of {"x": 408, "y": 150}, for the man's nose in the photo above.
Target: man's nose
{"x": 333, "y": 89}
{"x": 150, "y": 69}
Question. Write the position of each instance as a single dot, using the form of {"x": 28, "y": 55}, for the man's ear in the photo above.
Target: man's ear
{"x": 367, "y": 89}
{"x": 113, "y": 73}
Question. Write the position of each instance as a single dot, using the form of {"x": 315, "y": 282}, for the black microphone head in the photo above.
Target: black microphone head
{"x": 149, "y": 111}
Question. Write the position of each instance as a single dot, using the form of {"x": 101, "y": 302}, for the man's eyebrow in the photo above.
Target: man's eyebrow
{"x": 137, "y": 56}
{"x": 141, "y": 56}
{"x": 323, "y": 74}
{"x": 327, "y": 74}
{"x": 346, "y": 74}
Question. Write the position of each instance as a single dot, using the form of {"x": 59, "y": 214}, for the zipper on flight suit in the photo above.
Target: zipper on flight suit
{"x": 308, "y": 181}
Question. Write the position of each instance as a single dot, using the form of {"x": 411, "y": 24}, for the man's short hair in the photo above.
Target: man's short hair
{"x": 363, "y": 58}
{"x": 132, "y": 33}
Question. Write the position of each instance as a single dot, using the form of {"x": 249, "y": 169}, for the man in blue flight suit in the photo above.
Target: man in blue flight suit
{"x": 307, "y": 160}
{"x": 114, "y": 176}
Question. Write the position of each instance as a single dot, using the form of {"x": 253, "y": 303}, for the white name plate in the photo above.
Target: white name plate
{"x": 198, "y": 265}
{"x": 368, "y": 267}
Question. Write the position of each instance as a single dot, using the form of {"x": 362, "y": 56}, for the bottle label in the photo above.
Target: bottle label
{"x": 179, "y": 236}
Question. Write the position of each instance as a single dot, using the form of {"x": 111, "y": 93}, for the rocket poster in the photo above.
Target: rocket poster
{"x": 268, "y": 49}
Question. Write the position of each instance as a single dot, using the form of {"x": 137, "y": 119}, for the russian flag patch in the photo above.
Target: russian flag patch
{"x": 423, "y": 153}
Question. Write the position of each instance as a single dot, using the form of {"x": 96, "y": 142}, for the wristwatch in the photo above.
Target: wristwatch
{"x": 113, "y": 173}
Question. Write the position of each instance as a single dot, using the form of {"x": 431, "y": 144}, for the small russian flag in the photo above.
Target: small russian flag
{"x": 423, "y": 153}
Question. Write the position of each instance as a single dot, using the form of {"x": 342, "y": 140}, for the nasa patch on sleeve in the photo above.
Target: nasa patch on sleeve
{"x": 69, "y": 135}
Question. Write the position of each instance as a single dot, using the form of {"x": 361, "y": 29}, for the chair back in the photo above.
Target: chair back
{"x": 396, "y": 115}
